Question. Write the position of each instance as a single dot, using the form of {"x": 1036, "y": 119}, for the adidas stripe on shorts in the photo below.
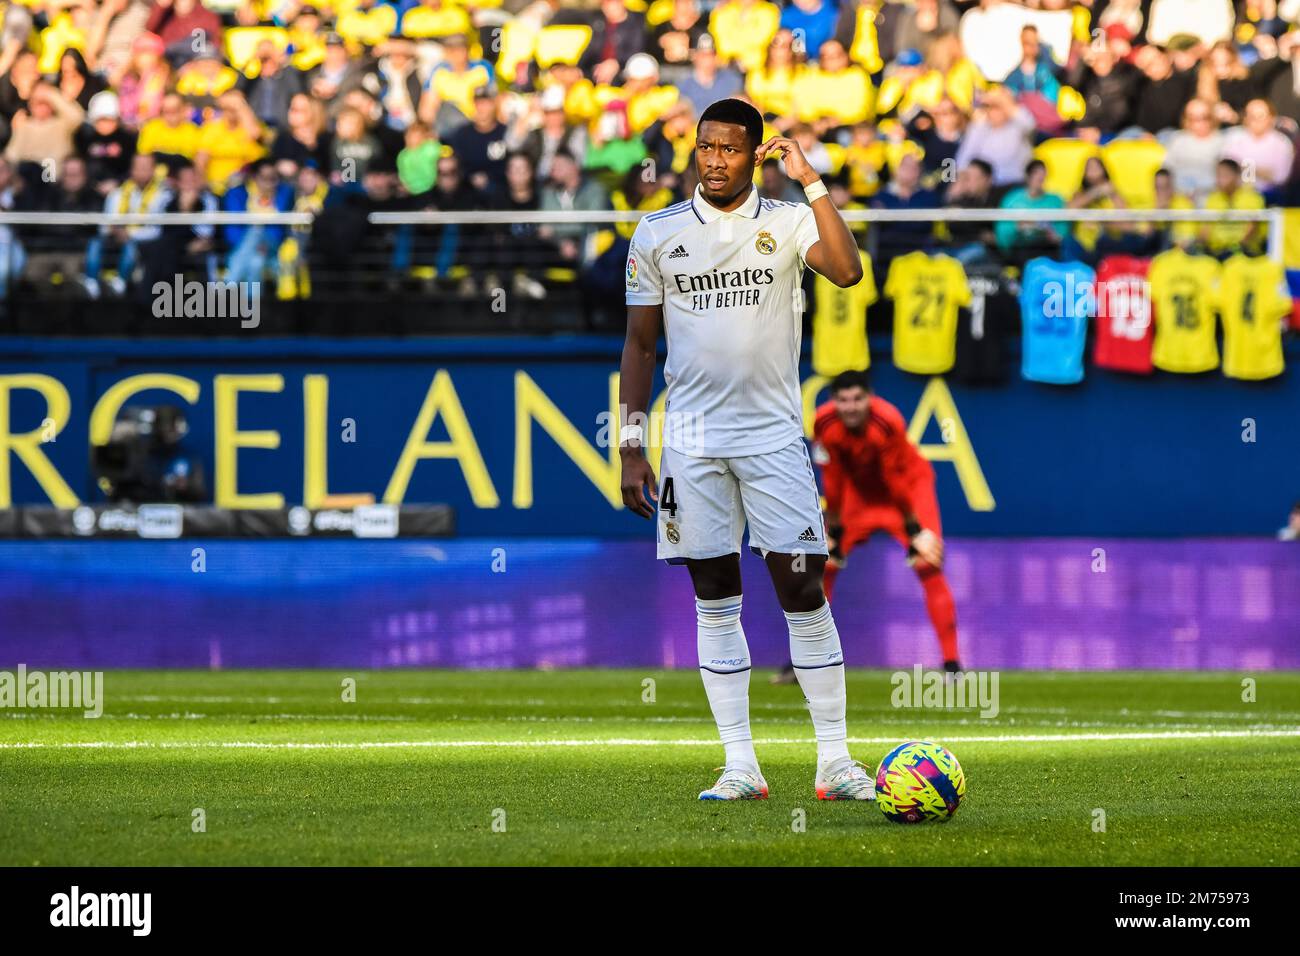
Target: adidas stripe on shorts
{"x": 705, "y": 504}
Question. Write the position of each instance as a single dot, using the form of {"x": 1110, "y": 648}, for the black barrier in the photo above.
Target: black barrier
{"x": 169, "y": 521}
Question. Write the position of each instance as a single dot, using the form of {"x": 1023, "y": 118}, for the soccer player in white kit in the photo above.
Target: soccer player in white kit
{"x": 721, "y": 274}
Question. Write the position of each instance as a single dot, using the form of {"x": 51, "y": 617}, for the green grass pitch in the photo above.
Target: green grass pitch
{"x": 432, "y": 767}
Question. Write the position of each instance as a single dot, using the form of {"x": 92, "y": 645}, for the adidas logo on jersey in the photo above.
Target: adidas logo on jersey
{"x": 808, "y": 535}
{"x": 678, "y": 253}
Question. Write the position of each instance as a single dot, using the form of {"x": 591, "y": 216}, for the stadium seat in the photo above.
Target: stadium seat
{"x": 308, "y": 55}
{"x": 242, "y": 43}
{"x": 1065, "y": 158}
{"x": 56, "y": 39}
{"x": 193, "y": 84}
{"x": 1132, "y": 164}
{"x": 644, "y": 108}
{"x": 561, "y": 44}
{"x": 660, "y": 11}
{"x": 518, "y": 43}
{"x": 895, "y": 150}
{"x": 422, "y": 23}
{"x": 369, "y": 27}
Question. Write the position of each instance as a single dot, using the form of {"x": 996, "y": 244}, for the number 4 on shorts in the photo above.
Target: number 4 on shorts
{"x": 667, "y": 501}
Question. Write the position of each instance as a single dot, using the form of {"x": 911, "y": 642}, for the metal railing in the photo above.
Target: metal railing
{"x": 1272, "y": 216}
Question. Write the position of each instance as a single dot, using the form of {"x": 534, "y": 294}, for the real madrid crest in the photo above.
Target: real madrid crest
{"x": 765, "y": 243}
{"x": 674, "y": 536}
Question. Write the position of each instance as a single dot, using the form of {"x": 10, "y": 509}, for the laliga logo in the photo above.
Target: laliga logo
{"x": 83, "y": 520}
{"x": 299, "y": 520}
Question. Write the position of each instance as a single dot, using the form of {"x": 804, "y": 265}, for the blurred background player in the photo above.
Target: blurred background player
{"x": 875, "y": 480}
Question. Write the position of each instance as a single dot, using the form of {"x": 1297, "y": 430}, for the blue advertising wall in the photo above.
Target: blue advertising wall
{"x": 507, "y": 432}
{"x": 1196, "y": 604}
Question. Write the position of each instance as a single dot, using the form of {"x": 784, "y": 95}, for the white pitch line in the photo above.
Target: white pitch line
{"x": 615, "y": 741}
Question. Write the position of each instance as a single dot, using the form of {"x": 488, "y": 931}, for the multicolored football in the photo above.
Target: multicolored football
{"x": 919, "y": 781}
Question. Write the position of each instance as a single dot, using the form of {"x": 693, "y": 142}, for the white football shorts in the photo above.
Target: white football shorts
{"x": 705, "y": 503}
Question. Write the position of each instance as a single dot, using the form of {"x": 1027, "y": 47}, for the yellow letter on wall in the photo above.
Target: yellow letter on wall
{"x": 531, "y": 403}
{"x": 937, "y": 403}
{"x": 315, "y": 454}
{"x": 230, "y": 439}
{"x": 443, "y": 400}
{"x": 111, "y": 402}
{"x": 26, "y": 445}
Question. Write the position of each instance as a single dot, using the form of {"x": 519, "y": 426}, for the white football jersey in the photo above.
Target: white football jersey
{"x": 729, "y": 283}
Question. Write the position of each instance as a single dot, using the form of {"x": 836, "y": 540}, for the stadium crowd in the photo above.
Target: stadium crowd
{"x": 354, "y": 106}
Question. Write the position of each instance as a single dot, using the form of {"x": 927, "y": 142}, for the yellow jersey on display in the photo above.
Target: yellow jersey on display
{"x": 1252, "y": 303}
{"x": 927, "y": 292}
{"x": 1183, "y": 293}
{"x": 840, "y": 323}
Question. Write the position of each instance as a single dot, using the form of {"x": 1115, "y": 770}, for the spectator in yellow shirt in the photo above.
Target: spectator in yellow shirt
{"x": 228, "y": 142}
{"x": 771, "y": 85}
{"x": 835, "y": 92}
{"x": 646, "y": 100}
{"x": 905, "y": 73}
{"x": 171, "y": 135}
{"x": 435, "y": 18}
{"x": 742, "y": 31}
{"x": 864, "y": 158}
{"x": 1222, "y": 239}
{"x": 452, "y": 83}
{"x": 205, "y": 78}
{"x": 1098, "y": 192}
{"x": 951, "y": 73}
{"x": 1164, "y": 235}
{"x": 914, "y": 85}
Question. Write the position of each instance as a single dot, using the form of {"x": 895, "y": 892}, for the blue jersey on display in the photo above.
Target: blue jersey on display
{"x": 1056, "y": 301}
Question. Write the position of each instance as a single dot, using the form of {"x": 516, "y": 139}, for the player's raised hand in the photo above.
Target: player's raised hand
{"x": 637, "y": 477}
{"x": 788, "y": 151}
{"x": 928, "y": 547}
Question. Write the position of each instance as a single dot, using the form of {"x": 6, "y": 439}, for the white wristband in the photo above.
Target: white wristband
{"x": 631, "y": 432}
{"x": 815, "y": 191}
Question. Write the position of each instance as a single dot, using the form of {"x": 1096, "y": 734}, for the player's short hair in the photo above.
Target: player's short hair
{"x": 1231, "y": 165}
{"x": 853, "y": 378}
{"x": 736, "y": 113}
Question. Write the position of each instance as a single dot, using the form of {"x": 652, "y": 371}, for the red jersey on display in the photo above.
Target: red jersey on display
{"x": 1124, "y": 327}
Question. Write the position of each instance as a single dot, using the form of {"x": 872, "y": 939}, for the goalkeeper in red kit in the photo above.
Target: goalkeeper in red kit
{"x": 875, "y": 480}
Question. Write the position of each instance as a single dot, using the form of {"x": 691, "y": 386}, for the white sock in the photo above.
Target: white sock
{"x": 819, "y": 666}
{"x": 724, "y": 668}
